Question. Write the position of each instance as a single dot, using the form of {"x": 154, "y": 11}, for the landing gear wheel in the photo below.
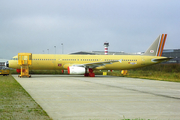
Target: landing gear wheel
{"x": 86, "y": 74}
{"x": 91, "y": 74}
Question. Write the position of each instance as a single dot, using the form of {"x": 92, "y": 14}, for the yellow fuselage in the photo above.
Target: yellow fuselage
{"x": 62, "y": 62}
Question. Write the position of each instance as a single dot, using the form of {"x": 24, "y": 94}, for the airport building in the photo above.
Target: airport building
{"x": 174, "y": 53}
{"x": 101, "y": 53}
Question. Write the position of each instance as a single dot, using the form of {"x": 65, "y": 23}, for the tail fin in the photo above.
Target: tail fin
{"x": 157, "y": 47}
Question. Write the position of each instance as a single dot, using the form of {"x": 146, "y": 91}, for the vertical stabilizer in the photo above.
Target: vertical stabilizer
{"x": 157, "y": 47}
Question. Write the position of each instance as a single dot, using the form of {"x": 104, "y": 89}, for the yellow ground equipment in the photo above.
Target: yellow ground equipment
{"x": 124, "y": 72}
{"x": 104, "y": 73}
{"x": 4, "y": 72}
{"x": 24, "y": 60}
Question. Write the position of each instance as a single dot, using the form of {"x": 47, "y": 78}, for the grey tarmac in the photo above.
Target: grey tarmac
{"x": 75, "y": 97}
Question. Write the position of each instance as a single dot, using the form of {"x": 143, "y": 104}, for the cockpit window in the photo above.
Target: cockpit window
{"x": 14, "y": 59}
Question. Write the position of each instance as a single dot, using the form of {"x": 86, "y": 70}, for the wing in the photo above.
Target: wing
{"x": 96, "y": 64}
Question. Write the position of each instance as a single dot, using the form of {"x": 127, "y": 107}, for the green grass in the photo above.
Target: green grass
{"x": 164, "y": 72}
{"x": 155, "y": 75}
{"x": 39, "y": 72}
{"x": 16, "y": 103}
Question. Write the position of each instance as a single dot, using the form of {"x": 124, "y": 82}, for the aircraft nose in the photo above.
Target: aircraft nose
{"x": 7, "y": 64}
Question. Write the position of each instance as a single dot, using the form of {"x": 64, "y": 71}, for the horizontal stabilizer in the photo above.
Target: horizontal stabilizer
{"x": 161, "y": 59}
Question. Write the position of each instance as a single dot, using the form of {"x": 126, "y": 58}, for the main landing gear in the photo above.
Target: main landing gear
{"x": 90, "y": 74}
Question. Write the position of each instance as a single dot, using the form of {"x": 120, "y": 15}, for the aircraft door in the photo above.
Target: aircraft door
{"x": 143, "y": 60}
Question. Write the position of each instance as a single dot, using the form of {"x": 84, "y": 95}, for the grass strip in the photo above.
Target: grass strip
{"x": 16, "y": 103}
{"x": 155, "y": 75}
{"x": 163, "y": 72}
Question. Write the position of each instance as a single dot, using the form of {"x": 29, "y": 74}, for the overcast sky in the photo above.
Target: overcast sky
{"x": 84, "y": 25}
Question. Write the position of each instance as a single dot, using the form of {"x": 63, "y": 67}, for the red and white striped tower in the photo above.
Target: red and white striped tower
{"x": 106, "y": 45}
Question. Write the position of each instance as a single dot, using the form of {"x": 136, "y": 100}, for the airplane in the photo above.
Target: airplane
{"x": 86, "y": 64}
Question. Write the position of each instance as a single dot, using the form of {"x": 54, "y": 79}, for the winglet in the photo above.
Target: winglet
{"x": 157, "y": 47}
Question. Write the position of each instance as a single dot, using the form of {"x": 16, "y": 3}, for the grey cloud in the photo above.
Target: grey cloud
{"x": 84, "y": 25}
